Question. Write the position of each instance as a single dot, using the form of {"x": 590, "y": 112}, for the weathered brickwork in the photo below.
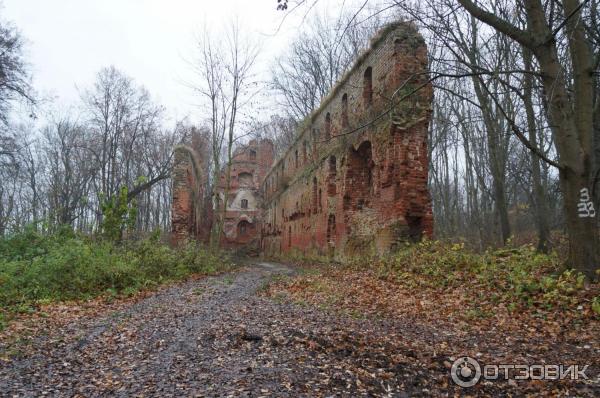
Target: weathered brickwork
{"x": 242, "y": 217}
{"x": 192, "y": 213}
{"x": 355, "y": 180}
{"x": 191, "y": 210}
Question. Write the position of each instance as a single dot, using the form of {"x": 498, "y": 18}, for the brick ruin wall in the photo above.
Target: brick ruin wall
{"x": 191, "y": 210}
{"x": 250, "y": 164}
{"x": 355, "y": 180}
{"x": 192, "y": 214}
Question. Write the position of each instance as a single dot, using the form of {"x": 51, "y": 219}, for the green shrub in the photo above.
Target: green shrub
{"x": 518, "y": 274}
{"x": 596, "y": 305}
{"x": 63, "y": 266}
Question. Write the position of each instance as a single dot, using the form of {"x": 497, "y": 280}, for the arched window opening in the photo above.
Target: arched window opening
{"x": 332, "y": 187}
{"x": 244, "y": 228}
{"x": 252, "y": 154}
{"x": 345, "y": 110}
{"x": 359, "y": 177}
{"x": 332, "y": 166}
{"x": 368, "y": 86}
{"x": 244, "y": 203}
{"x": 327, "y": 126}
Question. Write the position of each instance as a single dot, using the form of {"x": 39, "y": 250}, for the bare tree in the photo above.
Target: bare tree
{"x": 14, "y": 77}
{"x": 226, "y": 84}
{"x": 317, "y": 58}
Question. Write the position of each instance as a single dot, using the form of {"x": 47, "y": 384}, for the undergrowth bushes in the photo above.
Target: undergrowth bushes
{"x": 515, "y": 276}
{"x": 37, "y": 268}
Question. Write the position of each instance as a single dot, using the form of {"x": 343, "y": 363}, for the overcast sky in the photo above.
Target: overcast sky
{"x": 69, "y": 41}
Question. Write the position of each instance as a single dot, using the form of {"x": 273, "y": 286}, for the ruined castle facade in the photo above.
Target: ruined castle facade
{"x": 193, "y": 215}
{"x": 249, "y": 167}
{"x": 355, "y": 179}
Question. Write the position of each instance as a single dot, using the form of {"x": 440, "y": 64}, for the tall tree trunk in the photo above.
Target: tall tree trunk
{"x": 539, "y": 196}
{"x": 570, "y": 110}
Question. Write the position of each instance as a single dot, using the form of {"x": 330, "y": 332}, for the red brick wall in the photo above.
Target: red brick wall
{"x": 249, "y": 168}
{"x": 191, "y": 210}
{"x": 363, "y": 185}
{"x": 192, "y": 213}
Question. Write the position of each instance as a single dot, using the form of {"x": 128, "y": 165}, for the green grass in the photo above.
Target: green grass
{"x": 37, "y": 269}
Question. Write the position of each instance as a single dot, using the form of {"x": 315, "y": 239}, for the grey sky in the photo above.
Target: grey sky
{"x": 68, "y": 41}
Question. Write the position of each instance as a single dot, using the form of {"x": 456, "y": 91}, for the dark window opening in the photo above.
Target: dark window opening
{"x": 304, "y": 152}
{"x": 244, "y": 203}
{"x": 315, "y": 197}
{"x": 252, "y": 155}
{"x": 332, "y": 188}
{"x": 243, "y": 228}
{"x": 327, "y": 126}
{"x": 345, "y": 110}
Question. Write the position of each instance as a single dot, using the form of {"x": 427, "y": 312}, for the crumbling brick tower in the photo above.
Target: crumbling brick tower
{"x": 355, "y": 179}
{"x": 192, "y": 210}
{"x": 250, "y": 164}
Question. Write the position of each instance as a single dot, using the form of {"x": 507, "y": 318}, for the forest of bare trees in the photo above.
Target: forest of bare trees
{"x": 63, "y": 173}
{"x": 514, "y": 144}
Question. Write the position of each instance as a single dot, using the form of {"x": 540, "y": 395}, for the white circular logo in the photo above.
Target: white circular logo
{"x": 465, "y": 372}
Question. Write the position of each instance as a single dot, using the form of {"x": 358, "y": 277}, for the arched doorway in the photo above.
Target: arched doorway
{"x": 244, "y": 228}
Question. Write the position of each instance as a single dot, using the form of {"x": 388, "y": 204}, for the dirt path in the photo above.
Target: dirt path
{"x": 219, "y": 337}
{"x": 210, "y": 337}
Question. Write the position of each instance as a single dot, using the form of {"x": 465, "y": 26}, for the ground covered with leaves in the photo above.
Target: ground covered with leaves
{"x": 441, "y": 302}
{"x": 211, "y": 336}
{"x": 269, "y": 329}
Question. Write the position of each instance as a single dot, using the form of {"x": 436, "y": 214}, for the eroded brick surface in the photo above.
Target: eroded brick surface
{"x": 192, "y": 214}
{"x": 355, "y": 181}
{"x": 250, "y": 165}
